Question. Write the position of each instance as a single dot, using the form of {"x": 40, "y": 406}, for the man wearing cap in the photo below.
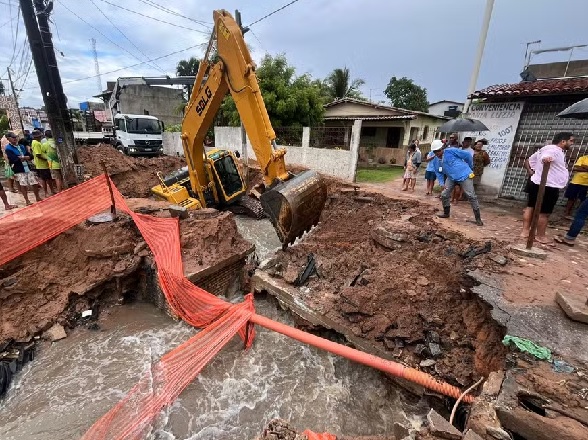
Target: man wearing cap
{"x": 19, "y": 158}
{"x": 457, "y": 165}
{"x": 41, "y": 162}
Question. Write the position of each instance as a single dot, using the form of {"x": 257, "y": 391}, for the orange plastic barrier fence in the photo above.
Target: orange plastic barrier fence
{"x": 131, "y": 418}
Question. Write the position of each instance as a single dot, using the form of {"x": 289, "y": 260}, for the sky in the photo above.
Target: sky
{"x": 432, "y": 42}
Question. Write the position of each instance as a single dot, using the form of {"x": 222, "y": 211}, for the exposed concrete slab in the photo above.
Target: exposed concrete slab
{"x": 290, "y": 298}
{"x": 471, "y": 435}
{"x": 441, "y": 427}
{"x": 576, "y": 308}
{"x": 530, "y": 253}
{"x": 545, "y": 325}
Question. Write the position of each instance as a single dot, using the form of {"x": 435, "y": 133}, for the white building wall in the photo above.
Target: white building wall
{"x": 336, "y": 163}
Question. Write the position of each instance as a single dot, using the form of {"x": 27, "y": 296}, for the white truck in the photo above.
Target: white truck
{"x": 138, "y": 135}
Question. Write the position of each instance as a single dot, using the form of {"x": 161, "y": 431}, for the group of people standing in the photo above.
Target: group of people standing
{"x": 457, "y": 168}
{"x": 31, "y": 163}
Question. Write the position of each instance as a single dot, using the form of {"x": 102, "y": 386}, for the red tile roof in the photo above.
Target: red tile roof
{"x": 563, "y": 86}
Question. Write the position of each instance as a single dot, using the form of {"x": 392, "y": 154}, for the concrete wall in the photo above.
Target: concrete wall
{"x": 172, "y": 144}
{"x": 337, "y": 163}
{"x": 161, "y": 102}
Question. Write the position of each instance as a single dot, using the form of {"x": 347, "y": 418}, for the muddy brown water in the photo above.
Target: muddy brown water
{"x": 73, "y": 382}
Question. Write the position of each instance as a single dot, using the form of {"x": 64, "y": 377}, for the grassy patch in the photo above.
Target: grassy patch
{"x": 378, "y": 175}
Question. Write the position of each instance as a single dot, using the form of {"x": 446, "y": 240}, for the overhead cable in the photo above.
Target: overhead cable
{"x": 272, "y": 13}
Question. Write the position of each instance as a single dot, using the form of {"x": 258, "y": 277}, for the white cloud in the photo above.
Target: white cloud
{"x": 431, "y": 41}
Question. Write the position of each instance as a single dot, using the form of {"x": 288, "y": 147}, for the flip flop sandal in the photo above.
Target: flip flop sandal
{"x": 562, "y": 241}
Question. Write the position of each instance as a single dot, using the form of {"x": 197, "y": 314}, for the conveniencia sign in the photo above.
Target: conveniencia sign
{"x": 502, "y": 120}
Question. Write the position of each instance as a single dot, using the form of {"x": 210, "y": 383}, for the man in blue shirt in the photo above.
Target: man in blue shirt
{"x": 433, "y": 164}
{"x": 457, "y": 165}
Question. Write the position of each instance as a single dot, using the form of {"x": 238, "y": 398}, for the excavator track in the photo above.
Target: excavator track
{"x": 248, "y": 206}
{"x": 295, "y": 205}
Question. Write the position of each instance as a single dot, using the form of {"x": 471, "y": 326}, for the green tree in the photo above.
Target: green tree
{"x": 4, "y": 124}
{"x": 290, "y": 100}
{"x": 340, "y": 85}
{"x": 187, "y": 67}
{"x": 404, "y": 93}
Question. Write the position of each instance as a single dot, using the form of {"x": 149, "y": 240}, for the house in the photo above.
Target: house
{"x": 385, "y": 131}
{"x": 451, "y": 109}
{"x": 522, "y": 118}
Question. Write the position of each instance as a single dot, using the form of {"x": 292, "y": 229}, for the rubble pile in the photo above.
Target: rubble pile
{"x": 133, "y": 176}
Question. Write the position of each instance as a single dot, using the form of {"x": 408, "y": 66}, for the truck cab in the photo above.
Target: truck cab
{"x": 138, "y": 135}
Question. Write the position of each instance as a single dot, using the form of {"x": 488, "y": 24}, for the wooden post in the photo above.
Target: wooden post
{"x": 538, "y": 204}
{"x": 113, "y": 206}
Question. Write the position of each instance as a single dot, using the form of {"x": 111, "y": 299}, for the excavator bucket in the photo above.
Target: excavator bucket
{"x": 295, "y": 205}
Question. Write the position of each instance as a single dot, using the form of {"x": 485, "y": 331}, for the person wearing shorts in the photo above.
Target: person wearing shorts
{"x": 557, "y": 179}
{"x": 18, "y": 159}
{"x": 430, "y": 175}
{"x": 41, "y": 163}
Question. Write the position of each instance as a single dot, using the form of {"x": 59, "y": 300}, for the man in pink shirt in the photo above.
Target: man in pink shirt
{"x": 557, "y": 179}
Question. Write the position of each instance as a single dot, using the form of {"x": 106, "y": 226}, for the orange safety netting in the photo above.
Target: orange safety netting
{"x": 131, "y": 418}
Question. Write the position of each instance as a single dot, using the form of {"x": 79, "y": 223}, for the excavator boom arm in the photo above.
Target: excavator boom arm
{"x": 293, "y": 203}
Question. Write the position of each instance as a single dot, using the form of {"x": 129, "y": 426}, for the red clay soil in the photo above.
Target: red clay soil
{"x": 400, "y": 299}
{"x": 37, "y": 288}
{"x": 133, "y": 176}
{"x": 58, "y": 280}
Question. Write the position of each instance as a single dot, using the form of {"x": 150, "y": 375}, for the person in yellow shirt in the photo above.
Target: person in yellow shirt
{"x": 578, "y": 186}
{"x": 41, "y": 163}
{"x": 54, "y": 162}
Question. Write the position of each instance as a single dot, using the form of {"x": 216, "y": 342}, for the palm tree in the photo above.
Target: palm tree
{"x": 188, "y": 67}
{"x": 339, "y": 84}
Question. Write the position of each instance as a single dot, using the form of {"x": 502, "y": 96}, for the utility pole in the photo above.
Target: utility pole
{"x": 40, "y": 40}
{"x": 480, "y": 53}
{"x": 15, "y": 99}
{"x": 96, "y": 65}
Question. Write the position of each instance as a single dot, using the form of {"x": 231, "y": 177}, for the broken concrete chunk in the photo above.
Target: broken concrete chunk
{"x": 471, "y": 435}
{"x": 178, "y": 211}
{"x": 428, "y": 363}
{"x": 441, "y": 427}
{"x": 498, "y": 433}
{"x": 435, "y": 349}
{"x": 7, "y": 282}
{"x": 55, "y": 333}
{"x": 499, "y": 259}
{"x": 400, "y": 431}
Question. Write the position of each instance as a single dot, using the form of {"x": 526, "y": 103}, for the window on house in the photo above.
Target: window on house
{"x": 452, "y": 107}
{"x": 425, "y": 133}
{"x": 368, "y": 131}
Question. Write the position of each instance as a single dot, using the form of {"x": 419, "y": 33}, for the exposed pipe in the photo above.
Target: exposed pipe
{"x": 393, "y": 368}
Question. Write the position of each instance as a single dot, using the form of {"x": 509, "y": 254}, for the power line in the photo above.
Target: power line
{"x": 273, "y": 12}
{"x": 177, "y": 14}
{"x": 124, "y": 35}
{"x": 101, "y": 33}
{"x": 153, "y": 18}
{"x": 137, "y": 64}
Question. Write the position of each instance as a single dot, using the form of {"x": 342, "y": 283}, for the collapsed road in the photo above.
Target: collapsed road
{"x": 380, "y": 275}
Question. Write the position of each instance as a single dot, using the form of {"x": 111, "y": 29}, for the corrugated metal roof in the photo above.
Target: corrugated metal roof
{"x": 369, "y": 118}
{"x": 561, "y": 86}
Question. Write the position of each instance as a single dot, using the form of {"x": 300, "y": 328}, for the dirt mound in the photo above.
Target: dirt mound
{"x": 133, "y": 176}
{"x": 209, "y": 237}
{"x": 95, "y": 264}
{"x": 389, "y": 272}
{"x": 68, "y": 272}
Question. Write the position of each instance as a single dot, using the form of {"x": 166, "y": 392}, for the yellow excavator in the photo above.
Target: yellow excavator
{"x": 293, "y": 203}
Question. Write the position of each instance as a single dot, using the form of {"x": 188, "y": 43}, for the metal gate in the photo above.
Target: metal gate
{"x": 537, "y": 126}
